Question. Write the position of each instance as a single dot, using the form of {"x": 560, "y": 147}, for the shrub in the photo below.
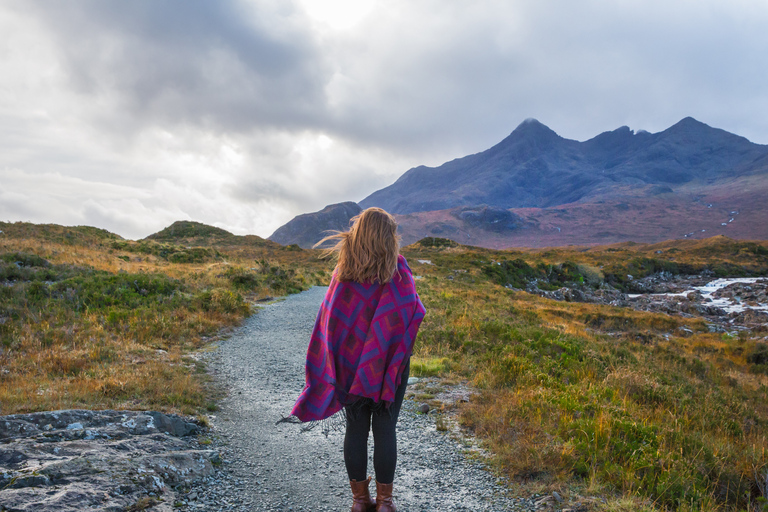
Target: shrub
{"x": 170, "y": 252}
{"x": 192, "y": 255}
{"x": 593, "y": 276}
{"x": 516, "y": 273}
{"x": 563, "y": 273}
{"x": 759, "y": 355}
{"x": 242, "y": 278}
{"x": 229, "y": 302}
{"x": 726, "y": 269}
{"x": 102, "y": 290}
{"x": 616, "y": 273}
{"x": 24, "y": 259}
{"x": 221, "y": 300}
{"x": 432, "y": 241}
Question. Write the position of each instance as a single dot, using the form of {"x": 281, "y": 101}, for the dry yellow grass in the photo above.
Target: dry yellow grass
{"x": 608, "y": 400}
{"x": 127, "y": 355}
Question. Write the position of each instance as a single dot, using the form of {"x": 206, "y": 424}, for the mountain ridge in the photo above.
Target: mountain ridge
{"x": 307, "y": 229}
{"x": 535, "y": 188}
{"x": 535, "y": 167}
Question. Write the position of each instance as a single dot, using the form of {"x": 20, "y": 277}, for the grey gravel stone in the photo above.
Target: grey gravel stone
{"x": 108, "y": 460}
{"x": 244, "y": 462}
{"x": 280, "y": 467}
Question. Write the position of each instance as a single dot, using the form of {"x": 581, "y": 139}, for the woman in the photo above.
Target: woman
{"x": 359, "y": 353}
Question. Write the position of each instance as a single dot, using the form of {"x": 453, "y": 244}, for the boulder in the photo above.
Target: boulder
{"x": 108, "y": 460}
{"x": 489, "y": 218}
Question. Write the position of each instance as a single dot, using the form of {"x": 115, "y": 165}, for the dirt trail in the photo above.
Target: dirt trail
{"x": 272, "y": 467}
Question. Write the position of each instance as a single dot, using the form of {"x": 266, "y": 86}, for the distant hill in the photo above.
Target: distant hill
{"x": 190, "y": 233}
{"x": 308, "y": 229}
{"x": 185, "y": 229}
{"x": 75, "y": 235}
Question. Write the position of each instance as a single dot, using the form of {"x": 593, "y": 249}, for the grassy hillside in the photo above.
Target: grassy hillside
{"x": 89, "y": 320}
{"x": 64, "y": 235}
{"x": 195, "y": 234}
{"x": 581, "y": 398}
{"x": 601, "y": 397}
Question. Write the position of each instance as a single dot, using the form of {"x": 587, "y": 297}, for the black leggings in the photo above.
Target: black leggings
{"x": 360, "y": 418}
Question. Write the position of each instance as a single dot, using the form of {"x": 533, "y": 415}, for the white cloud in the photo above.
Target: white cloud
{"x": 337, "y": 14}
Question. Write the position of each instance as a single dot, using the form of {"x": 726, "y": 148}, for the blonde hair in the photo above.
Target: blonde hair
{"x": 368, "y": 251}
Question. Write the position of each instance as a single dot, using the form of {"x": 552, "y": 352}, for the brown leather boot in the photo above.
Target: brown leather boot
{"x": 384, "y": 501}
{"x": 361, "y": 498}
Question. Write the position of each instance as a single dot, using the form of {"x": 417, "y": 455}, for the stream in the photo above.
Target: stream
{"x": 712, "y": 295}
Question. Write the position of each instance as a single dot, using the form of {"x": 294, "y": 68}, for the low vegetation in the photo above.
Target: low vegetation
{"x": 577, "y": 397}
{"x": 88, "y": 320}
{"x": 600, "y": 397}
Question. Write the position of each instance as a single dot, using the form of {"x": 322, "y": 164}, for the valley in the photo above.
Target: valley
{"x": 736, "y": 214}
{"x": 587, "y": 380}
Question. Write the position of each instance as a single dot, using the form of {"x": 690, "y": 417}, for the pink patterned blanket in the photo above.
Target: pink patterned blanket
{"x": 362, "y": 340}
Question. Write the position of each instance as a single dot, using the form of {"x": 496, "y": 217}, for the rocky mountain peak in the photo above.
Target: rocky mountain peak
{"x": 531, "y": 129}
{"x": 689, "y": 123}
{"x": 690, "y": 127}
{"x": 692, "y": 131}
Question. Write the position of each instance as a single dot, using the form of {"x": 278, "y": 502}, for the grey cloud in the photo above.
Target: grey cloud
{"x": 421, "y": 76}
{"x": 452, "y": 76}
{"x": 216, "y": 64}
{"x": 125, "y": 218}
{"x": 258, "y": 191}
{"x": 17, "y": 206}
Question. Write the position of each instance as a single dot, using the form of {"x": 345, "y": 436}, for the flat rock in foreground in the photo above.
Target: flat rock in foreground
{"x": 111, "y": 460}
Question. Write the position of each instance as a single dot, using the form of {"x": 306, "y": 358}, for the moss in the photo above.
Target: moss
{"x": 428, "y": 367}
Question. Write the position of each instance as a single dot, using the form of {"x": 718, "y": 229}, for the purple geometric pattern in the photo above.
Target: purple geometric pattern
{"x": 363, "y": 335}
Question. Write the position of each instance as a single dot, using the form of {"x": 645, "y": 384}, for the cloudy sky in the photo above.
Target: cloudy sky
{"x": 129, "y": 115}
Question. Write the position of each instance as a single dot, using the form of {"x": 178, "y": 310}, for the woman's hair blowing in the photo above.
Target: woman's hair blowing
{"x": 368, "y": 251}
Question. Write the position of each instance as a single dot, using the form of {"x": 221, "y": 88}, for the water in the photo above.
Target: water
{"x": 728, "y": 304}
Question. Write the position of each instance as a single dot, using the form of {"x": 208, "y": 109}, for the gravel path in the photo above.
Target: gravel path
{"x": 269, "y": 467}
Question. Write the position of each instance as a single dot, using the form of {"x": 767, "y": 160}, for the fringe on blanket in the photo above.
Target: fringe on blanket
{"x": 334, "y": 423}
{"x": 337, "y": 422}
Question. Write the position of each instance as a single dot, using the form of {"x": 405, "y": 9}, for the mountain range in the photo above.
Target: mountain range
{"x": 535, "y": 188}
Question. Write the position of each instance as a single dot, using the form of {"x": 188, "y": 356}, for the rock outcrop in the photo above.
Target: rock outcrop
{"x": 489, "y": 218}
{"x": 308, "y": 229}
{"x": 742, "y": 306}
{"x": 107, "y": 460}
